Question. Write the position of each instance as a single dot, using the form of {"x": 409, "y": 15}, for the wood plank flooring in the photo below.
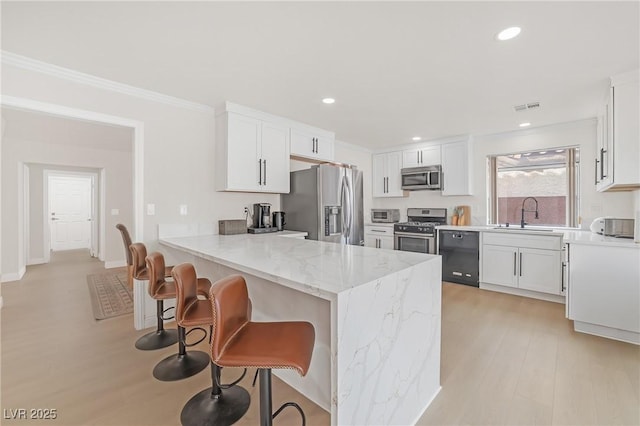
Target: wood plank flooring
{"x": 505, "y": 360}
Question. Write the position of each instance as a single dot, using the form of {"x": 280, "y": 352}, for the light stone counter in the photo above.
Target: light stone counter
{"x": 377, "y": 315}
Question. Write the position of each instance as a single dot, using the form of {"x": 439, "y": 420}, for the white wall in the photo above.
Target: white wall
{"x": 581, "y": 133}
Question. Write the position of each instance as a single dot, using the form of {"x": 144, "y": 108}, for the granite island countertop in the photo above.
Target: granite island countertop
{"x": 320, "y": 268}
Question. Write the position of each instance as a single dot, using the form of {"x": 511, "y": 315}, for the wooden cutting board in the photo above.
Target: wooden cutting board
{"x": 465, "y": 218}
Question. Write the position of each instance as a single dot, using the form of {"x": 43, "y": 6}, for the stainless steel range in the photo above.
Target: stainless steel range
{"x": 419, "y": 233}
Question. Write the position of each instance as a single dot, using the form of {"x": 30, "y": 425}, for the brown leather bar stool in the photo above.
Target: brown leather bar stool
{"x": 239, "y": 342}
{"x": 126, "y": 240}
{"x": 219, "y": 404}
{"x": 190, "y": 312}
{"x": 160, "y": 290}
{"x": 139, "y": 263}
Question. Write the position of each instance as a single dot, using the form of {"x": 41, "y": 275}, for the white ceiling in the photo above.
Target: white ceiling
{"x": 35, "y": 127}
{"x": 396, "y": 69}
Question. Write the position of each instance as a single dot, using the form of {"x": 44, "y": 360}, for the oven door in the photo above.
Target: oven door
{"x": 419, "y": 243}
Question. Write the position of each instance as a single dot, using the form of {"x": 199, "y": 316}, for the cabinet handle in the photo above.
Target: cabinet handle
{"x": 602, "y": 152}
{"x": 265, "y": 172}
{"x": 387, "y": 184}
{"x": 597, "y": 171}
{"x": 260, "y": 172}
{"x": 562, "y": 284}
{"x": 418, "y": 157}
{"x": 520, "y": 263}
{"x": 421, "y": 159}
{"x": 514, "y": 263}
{"x": 376, "y": 230}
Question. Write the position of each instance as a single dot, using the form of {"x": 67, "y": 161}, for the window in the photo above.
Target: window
{"x": 549, "y": 175}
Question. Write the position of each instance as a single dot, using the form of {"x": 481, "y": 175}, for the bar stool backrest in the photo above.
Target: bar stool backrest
{"x": 138, "y": 255}
{"x": 184, "y": 276}
{"x": 126, "y": 240}
{"x": 155, "y": 266}
{"x": 231, "y": 308}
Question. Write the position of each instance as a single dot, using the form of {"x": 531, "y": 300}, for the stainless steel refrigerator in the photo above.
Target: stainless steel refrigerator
{"x": 326, "y": 202}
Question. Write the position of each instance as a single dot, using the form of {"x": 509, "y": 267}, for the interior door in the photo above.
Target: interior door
{"x": 70, "y": 212}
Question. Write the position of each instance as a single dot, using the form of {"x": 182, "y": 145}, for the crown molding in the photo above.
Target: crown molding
{"x": 30, "y": 64}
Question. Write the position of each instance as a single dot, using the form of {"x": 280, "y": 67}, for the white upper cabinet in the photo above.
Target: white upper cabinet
{"x": 429, "y": 156}
{"x": 386, "y": 175}
{"x": 311, "y": 143}
{"x": 457, "y": 170}
{"x": 252, "y": 155}
{"x": 616, "y": 163}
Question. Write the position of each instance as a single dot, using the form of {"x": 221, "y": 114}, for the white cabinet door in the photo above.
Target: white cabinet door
{"x": 457, "y": 173}
{"x": 540, "y": 270}
{"x": 386, "y": 175}
{"x": 429, "y": 156}
{"x": 243, "y": 153}
{"x": 604, "y": 286}
{"x": 312, "y": 145}
{"x": 376, "y": 241}
{"x": 499, "y": 265}
{"x": 394, "y": 180}
{"x": 386, "y": 243}
{"x": 253, "y": 155}
{"x": 275, "y": 158}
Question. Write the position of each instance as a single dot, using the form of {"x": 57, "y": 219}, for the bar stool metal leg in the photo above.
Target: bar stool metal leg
{"x": 216, "y": 406}
{"x": 182, "y": 365}
{"x": 160, "y": 338}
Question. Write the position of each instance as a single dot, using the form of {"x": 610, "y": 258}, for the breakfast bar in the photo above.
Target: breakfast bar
{"x": 377, "y": 316}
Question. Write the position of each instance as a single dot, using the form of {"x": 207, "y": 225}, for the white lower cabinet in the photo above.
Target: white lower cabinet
{"x": 528, "y": 262}
{"x": 378, "y": 236}
{"x": 603, "y": 297}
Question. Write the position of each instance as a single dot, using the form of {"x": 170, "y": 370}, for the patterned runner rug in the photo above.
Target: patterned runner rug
{"x": 110, "y": 296}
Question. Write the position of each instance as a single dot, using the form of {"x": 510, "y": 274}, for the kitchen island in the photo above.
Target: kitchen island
{"x": 377, "y": 315}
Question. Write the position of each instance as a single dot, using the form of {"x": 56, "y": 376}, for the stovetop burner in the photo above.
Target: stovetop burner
{"x": 422, "y": 221}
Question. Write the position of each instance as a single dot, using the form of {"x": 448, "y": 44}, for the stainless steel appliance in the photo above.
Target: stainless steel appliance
{"x": 326, "y": 202}
{"x": 424, "y": 177}
{"x": 612, "y": 227}
{"x": 385, "y": 215}
{"x": 278, "y": 220}
{"x": 419, "y": 233}
{"x": 261, "y": 219}
{"x": 460, "y": 257}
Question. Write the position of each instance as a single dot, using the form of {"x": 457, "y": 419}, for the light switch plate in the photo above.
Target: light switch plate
{"x": 115, "y": 212}
{"x": 183, "y": 209}
{"x": 151, "y": 209}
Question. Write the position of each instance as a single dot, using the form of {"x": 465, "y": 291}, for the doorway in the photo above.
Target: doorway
{"x": 71, "y": 211}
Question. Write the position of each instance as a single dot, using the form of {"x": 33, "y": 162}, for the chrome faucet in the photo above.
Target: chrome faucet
{"x": 522, "y": 211}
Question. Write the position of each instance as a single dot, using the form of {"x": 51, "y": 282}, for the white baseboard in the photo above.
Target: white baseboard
{"x": 607, "y": 332}
{"x": 37, "y": 261}
{"x": 13, "y": 276}
{"x": 524, "y": 293}
{"x": 115, "y": 264}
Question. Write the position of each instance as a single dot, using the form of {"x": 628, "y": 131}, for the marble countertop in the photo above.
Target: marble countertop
{"x": 315, "y": 267}
{"x": 571, "y": 236}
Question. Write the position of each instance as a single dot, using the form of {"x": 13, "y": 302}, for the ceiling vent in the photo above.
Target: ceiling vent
{"x": 524, "y": 107}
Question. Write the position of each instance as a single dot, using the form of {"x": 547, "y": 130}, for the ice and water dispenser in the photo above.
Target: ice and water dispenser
{"x": 332, "y": 220}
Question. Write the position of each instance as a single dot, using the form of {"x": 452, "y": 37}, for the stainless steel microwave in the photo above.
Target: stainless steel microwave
{"x": 426, "y": 177}
{"x": 385, "y": 215}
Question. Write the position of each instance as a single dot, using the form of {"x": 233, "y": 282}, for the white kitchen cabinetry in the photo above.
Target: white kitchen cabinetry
{"x": 523, "y": 261}
{"x": 457, "y": 170}
{"x": 616, "y": 163}
{"x": 378, "y": 236}
{"x": 312, "y": 143}
{"x": 252, "y": 155}
{"x": 603, "y": 297}
{"x": 429, "y": 156}
{"x": 386, "y": 175}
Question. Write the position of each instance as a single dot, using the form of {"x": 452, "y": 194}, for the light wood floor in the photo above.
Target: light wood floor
{"x": 505, "y": 360}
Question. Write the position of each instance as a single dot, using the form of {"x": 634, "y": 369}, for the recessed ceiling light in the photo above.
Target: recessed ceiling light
{"x": 542, "y": 152}
{"x": 416, "y": 138}
{"x": 559, "y": 150}
{"x": 328, "y": 100}
{"x": 525, "y": 124}
{"x": 526, "y": 154}
{"x": 508, "y": 33}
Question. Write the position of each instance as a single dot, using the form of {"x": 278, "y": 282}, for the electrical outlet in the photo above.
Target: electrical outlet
{"x": 183, "y": 209}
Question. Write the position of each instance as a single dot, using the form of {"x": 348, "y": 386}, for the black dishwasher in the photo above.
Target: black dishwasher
{"x": 460, "y": 257}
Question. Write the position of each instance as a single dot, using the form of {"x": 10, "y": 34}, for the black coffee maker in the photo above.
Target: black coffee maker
{"x": 262, "y": 215}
